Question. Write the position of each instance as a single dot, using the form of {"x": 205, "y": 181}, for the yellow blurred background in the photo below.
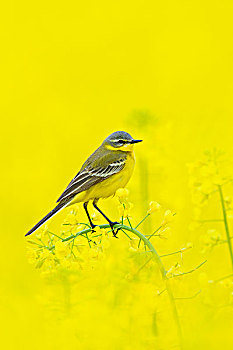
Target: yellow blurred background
{"x": 72, "y": 73}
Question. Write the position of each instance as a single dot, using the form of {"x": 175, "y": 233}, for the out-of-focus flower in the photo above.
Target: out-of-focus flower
{"x": 206, "y": 187}
{"x": 98, "y": 232}
{"x": 189, "y": 245}
{"x": 133, "y": 243}
{"x": 105, "y": 240}
{"x": 61, "y": 249}
{"x": 168, "y": 217}
{"x": 173, "y": 270}
{"x": 153, "y": 207}
{"x": 71, "y": 218}
{"x": 122, "y": 194}
{"x": 95, "y": 216}
{"x": 164, "y": 233}
{"x": 228, "y": 201}
{"x": 125, "y": 209}
{"x": 199, "y": 198}
{"x": 32, "y": 256}
{"x": 42, "y": 232}
{"x": 210, "y": 240}
{"x": 214, "y": 235}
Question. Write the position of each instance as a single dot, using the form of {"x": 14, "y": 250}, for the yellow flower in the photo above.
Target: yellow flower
{"x": 103, "y": 237}
{"x": 61, "y": 249}
{"x": 206, "y": 187}
{"x": 228, "y": 201}
{"x": 168, "y": 217}
{"x": 76, "y": 228}
{"x": 153, "y": 207}
{"x": 125, "y": 209}
{"x": 47, "y": 254}
{"x": 121, "y": 210}
{"x": 122, "y": 194}
{"x": 93, "y": 253}
{"x": 165, "y": 233}
{"x": 207, "y": 170}
{"x": 66, "y": 228}
{"x": 214, "y": 235}
{"x": 133, "y": 244}
{"x": 71, "y": 219}
{"x": 32, "y": 256}
{"x": 173, "y": 270}
{"x": 189, "y": 245}
{"x": 95, "y": 216}
{"x": 98, "y": 231}
{"x": 42, "y": 231}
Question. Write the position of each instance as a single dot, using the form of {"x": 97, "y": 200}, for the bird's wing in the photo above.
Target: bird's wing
{"x": 89, "y": 176}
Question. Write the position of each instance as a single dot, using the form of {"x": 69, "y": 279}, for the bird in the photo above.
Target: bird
{"x": 109, "y": 168}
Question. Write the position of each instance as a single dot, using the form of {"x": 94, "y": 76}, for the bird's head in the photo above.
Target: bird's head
{"x": 120, "y": 141}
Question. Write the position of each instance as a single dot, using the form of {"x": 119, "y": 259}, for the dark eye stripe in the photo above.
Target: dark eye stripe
{"x": 119, "y": 141}
{"x": 122, "y": 141}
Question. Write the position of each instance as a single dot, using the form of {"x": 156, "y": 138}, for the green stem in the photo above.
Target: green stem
{"x": 129, "y": 222}
{"x": 226, "y": 224}
{"x": 187, "y": 272}
{"x": 173, "y": 253}
{"x": 223, "y": 278}
{"x": 155, "y": 231}
{"x": 160, "y": 265}
{"x": 145, "y": 217}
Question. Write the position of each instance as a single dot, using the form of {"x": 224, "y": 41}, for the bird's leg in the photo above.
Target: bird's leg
{"x": 111, "y": 223}
{"x": 88, "y": 215}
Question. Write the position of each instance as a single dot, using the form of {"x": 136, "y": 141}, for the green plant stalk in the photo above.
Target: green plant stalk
{"x": 145, "y": 217}
{"x": 159, "y": 263}
{"x": 226, "y": 224}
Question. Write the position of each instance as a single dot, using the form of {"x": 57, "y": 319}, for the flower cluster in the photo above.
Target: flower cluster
{"x": 210, "y": 180}
{"x": 70, "y": 258}
{"x": 49, "y": 251}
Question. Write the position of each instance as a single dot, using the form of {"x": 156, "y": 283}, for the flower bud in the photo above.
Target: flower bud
{"x": 153, "y": 207}
{"x": 189, "y": 245}
{"x": 122, "y": 194}
{"x": 168, "y": 216}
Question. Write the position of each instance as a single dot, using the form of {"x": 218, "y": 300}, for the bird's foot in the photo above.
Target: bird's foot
{"x": 93, "y": 228}
{"x": 112, "y": 224}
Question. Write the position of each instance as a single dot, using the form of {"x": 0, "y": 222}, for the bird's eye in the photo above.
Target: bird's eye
{"x": 121, "y": 141}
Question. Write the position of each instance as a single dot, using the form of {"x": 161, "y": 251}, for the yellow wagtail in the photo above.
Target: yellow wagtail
{"x": 107, "y": 169}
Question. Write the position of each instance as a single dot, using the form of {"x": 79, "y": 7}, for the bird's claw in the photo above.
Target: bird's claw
{"x": 93, "y": 228}
{"x": 112, "y": 227}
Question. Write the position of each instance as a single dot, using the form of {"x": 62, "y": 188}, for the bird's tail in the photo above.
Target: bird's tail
{"x": 48, "y": 216}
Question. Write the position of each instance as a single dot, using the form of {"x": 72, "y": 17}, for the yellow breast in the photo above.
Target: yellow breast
{"x": 108, "y": 187}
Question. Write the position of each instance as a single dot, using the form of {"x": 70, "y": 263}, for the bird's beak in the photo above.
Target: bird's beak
{"x": 135, "y": 141}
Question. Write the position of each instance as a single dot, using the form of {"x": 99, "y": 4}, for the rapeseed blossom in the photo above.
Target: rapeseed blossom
{"x": 211, "y": 178}
{"x": 133, "y": 269}
{"x": 153, "y": 207}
